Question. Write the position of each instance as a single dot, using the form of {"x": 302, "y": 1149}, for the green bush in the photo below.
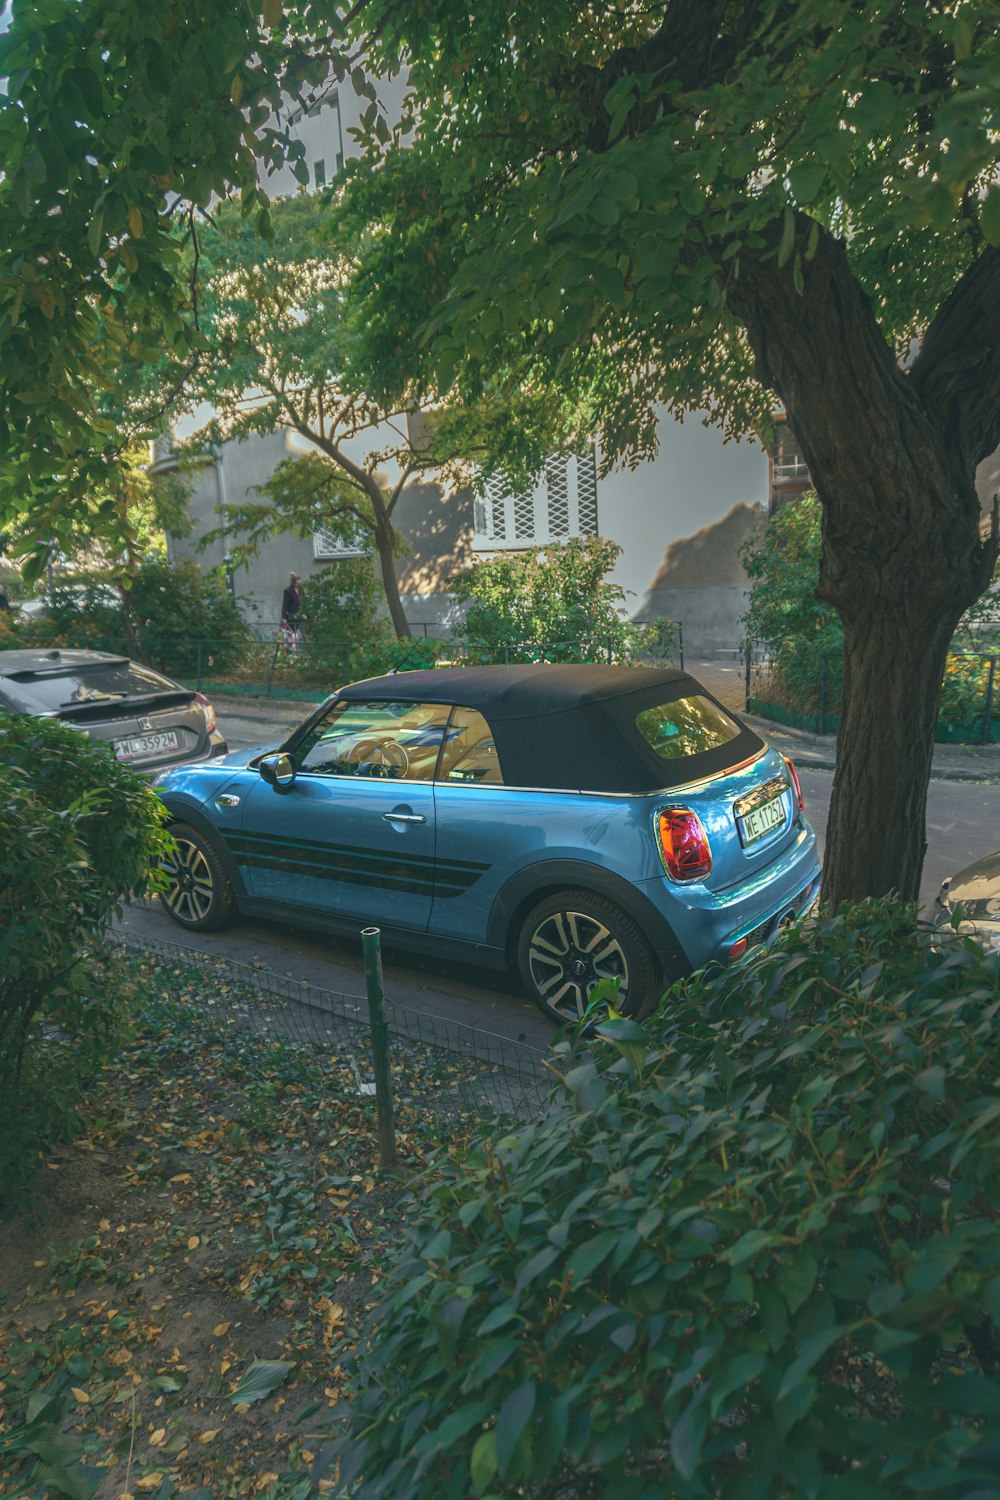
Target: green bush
{"x": 781, "y": 561}
{"x": 750, "y": 1250}
{"x": 552, "y": 603}
{"x": 81, "y": 835}
{"x": 183, "y": 617}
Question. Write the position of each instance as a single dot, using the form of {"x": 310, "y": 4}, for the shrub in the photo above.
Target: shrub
{"x": 181, "y": 606}
{"x": 551, "y": 603}
{"x": 797, "y": 630}
{"x": 750, "y": 1249}
{"x": 183, "y": 616}
{"x": 963, "y": 692}
{"x": 81, "y": 834}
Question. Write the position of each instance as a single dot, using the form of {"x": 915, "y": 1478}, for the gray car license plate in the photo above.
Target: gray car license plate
{"x": 761, "y": 820}
{"x": 147, "y": 744}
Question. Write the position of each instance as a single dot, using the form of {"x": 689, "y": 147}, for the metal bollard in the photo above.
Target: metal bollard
{"x": 371, "y": 943}
{"x": 991, "y": 678}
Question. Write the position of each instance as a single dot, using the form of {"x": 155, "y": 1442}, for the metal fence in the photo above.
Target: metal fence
{"x": 807, "y": 696}
{"x": 437, "y": 1065}
{"x": 265, "y": 659}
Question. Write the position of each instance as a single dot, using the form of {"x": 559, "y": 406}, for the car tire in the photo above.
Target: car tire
{"x": 571, "y": 940}
{"x": 200, "y": 896}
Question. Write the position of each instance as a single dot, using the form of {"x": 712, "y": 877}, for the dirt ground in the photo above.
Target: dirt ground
{"x": 221, "y": 1219}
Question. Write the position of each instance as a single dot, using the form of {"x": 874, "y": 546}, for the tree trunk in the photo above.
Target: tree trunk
{"x": 876, "y": 837}
{"x": 892, "y": 455}
{"x": 384, "y": 538}
{"x": 135, "y": 624}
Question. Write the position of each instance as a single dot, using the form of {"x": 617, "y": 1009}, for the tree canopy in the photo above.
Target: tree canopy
{"x": 709, "y": 204}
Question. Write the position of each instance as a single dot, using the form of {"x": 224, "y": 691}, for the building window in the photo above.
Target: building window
{"x": 328, "y": 546}
{"x": 788, "y": 472}
{"x": 319, "y": 173}
{"x": 562, "y": 504}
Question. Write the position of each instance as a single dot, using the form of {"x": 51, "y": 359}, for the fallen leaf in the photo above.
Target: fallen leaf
{"x": 149, "y": 1481}
{"x": 220, "y": 1330}
{"x": 209, "y": 1436}
{"x": 82, "y": 1396}
{"x": 181, "y": 1177}
{"x": 158, "y": 1438}
{"x": 194, "y": 1242}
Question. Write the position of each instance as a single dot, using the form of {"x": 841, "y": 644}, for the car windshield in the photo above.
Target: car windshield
{"x": 685, "y": 727}
{"x": 89, "y": 683}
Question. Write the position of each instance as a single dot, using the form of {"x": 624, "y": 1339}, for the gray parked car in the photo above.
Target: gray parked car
{"x": 976, "y": 889}
{"x": 149, "y": 721}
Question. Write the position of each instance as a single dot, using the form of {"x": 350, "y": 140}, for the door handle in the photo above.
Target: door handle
{"x": 397, "y": 817}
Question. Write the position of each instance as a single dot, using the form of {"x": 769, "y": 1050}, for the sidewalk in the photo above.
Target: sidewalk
{"x": 817, "y": 752}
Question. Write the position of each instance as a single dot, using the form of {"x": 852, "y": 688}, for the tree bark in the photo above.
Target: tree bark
{"x": 383, "y": 531}
{"x": 903, "y": 556}
{"x": 384, "y": 538}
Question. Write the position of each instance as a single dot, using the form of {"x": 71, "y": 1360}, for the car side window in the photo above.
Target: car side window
{"x": 381, "y": 741}
{"x": 470, "y": 752}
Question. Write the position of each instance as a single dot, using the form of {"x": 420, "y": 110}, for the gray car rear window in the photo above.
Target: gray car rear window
{"x": 89, "y": 684}
{"x": 685, "y": 727}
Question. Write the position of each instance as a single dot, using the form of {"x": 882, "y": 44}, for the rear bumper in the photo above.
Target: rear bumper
{"x": 707, "y": 923}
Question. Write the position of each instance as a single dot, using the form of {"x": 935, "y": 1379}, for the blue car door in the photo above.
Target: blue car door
{"x": 354, "y": 833}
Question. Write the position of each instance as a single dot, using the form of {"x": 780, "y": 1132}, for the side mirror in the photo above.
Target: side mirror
{"x": 277, "y": 770}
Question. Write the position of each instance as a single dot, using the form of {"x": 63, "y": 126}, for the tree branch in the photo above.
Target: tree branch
{"x": 957, "y": 372}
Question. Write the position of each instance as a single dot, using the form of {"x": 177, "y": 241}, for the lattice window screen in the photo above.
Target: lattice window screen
{"x": 496, "y": 508}
{"x": 557, "y": 485}
{"x": 327, "y": 545}
{"x": 586, "y": 493}
{"x": 524, "y": 519}
{"x": 562, "y": 504}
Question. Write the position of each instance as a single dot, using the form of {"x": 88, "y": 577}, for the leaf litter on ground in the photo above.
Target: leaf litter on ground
{"x": 173, "y": 1320}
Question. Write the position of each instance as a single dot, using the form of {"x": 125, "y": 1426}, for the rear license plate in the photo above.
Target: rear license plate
{"x": 146, "y": 744}
{"x": 761, "y": 820}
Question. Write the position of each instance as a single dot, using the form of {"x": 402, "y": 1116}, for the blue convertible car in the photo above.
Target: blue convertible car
{"x": 575, "y": 822}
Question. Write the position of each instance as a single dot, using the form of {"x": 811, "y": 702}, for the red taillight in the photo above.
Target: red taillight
{"x": 686, "y": 851}
{"x": 207, "y": 710}
{"x": 737, "y": 949}
{"x": 796, "y": 784}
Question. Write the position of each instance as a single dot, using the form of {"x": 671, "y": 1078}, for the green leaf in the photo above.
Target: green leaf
{"x": 787, "y": 237}
{"x": 515, "y": 1414}
{"x": 686, "y": 1438}
{"x": 797, "y": 1278}
{"x": 484, "y": 1461}
{"x": 591, "y": 1254}
{"x": 807, "y": 178}
{"x": 989, "y": 216}
{"x": 262, "y": 1379}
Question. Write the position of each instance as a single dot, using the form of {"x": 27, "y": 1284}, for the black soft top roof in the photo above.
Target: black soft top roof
{"x": 571, "y": 728}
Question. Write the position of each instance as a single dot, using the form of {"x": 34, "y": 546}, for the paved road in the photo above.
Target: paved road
{"x": 963, "y": 821}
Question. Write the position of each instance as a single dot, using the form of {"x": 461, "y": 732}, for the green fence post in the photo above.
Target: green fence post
{"x": 680, "y": 643}
{"x": 988, "y": 712}
{"x": 274, "y": 663}
{"x": 747, "y": 659}
{"x": 370, "y": 941}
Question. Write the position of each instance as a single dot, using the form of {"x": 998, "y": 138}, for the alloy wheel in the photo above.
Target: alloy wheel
{"x": 189, "y": 894}
{"x": 568, "y": 954}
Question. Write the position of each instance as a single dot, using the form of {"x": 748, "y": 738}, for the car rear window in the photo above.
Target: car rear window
{"x": 686, "y": 726}
{"x": 99, "y": 683}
